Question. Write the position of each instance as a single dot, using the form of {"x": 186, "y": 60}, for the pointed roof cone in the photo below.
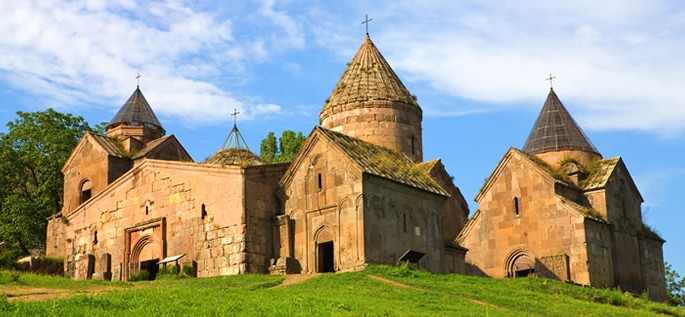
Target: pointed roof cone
{"x": 368, "y": 77}
{"x": 135, "y": 110}
{"x": 235, "y": 152}
{"x": 555, "y": 130}
{"x": 235, "y": 140}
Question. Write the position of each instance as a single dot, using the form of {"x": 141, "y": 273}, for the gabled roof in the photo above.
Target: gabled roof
{"x": 156, "y": 145}
{"x": 555, "y": 130}
{"x": 136, "y": 110}
{"x": 108, "y": 144}
{"x": 368, "y": 78}
{"x": 600, "y": 174}
{"x": 385, "y": 163}
{"x": 103, "y": 142}
{"x": 543, "y": 170}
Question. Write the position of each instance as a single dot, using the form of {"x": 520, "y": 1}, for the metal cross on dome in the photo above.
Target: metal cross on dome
{"x": 550, "y": 78}
{"x": 235, "y": 115}
{"x": 138, "y": 80}
{"x": 366, "y": 21}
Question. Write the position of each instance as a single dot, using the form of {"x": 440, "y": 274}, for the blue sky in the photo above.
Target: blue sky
{"x": 478, "y": 69}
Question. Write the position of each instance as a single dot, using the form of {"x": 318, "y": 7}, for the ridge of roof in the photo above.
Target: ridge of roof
{"x": 136, "y": 109}
{"x": 369, "y": 77}
{"x": 555, "y": 130}
{"x": 600, "y": 173}
{"x": 108, "y": 144}
{"x": 386, "y": 163}
{"x": 150, "y": 146}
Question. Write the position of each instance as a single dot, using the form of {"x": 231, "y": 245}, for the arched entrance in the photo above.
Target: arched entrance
{"x": 325, "y": 250}
{"x": 520, "y": 264}
{"x": 144, "y": 256}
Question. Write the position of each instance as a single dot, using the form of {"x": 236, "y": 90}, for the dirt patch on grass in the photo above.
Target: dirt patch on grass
{"x": 27, "y": 294}
{"x": 398, "y": 284}
{"x": 393, "y": 283}
{"x": 291, "y": 279}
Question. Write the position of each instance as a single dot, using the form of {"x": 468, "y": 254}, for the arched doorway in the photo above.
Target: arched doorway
{"x": 520, "y": 264}
{"x": 326, "y": 260}
{"x": 325, "y": 250}
{"x": 144, "y": 256}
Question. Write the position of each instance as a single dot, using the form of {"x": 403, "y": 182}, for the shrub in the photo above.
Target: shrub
{"x": 143, "y": 275}
{"x": 8, "y": 258}
{"x": 188, "y": 270}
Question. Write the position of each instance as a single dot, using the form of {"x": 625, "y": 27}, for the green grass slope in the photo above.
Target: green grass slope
{"x": 376, "y": 291}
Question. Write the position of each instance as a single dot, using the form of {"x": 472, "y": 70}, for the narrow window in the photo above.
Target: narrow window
{"x": 86, "y": 191}
{"x": 413, "y": 150}
{"x": 516, "y": 205}
{"x": 320, "y": 182}
{"x": 147, "y": 210}
{"x": 204, "y": 212}
{"x": 95, "y": 237}
{"x": 404, "y": 221}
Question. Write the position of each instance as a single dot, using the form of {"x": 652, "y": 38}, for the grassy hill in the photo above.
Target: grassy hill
{"x": 378, "y": 290}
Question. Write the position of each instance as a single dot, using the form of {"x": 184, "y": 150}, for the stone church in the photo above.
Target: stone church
{"x": 357, "y": 193}
{"x": 557, "y": 209}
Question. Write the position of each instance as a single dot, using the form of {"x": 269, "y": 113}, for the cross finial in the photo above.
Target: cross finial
{"x": 550, "y": 78}
{"x": 235, "y": 116}
{"x": 366, "y": 21}
{"x": 138, "y": 80}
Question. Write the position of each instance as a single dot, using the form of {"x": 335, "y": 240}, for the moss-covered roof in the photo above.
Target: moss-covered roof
{"x": 368, "y": 79}
{"x": 386, "y": 163}
{"x": 234, "y": 156}
{"x": 599, "y": 172}
{"x": 108, "y": 144}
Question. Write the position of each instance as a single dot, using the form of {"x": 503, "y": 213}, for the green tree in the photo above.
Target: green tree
{"x": 268, "y": 149}
{"x": 675, "y": 286}
{"x": 32, "y": 154}
{"x": 282, "y": 151}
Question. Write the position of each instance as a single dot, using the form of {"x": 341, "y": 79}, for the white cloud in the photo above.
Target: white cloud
{"x": 617, "y": 62}
{"x": 77, "y": 53}
{"x": 294, "y": 37}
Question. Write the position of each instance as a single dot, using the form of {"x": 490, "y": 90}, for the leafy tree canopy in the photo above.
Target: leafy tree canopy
{"x": 32, "y": 154}
{"x": 283, "y": 150}
{"x": 675, "y": 286}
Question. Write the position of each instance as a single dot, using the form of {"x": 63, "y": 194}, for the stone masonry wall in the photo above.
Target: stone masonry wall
{"x": 262, "y": 206}
{"x": 91, "y": 163}
{"x": 546, "y": 227}
{"x": 397, "y": 127}
{"x": 331, "y": 212}
{"x": 398, "y": 218}
{"x": 181, "y": 195}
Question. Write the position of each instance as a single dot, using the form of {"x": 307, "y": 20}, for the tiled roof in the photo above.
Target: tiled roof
{"x": 108, "y": 144}
{"x": 599, "y": 174}
{"x": 136, "y": 110}
{"x": 555, "y": 130}
{"x": 368, "y": 78}
{"x": 386, "y": 163}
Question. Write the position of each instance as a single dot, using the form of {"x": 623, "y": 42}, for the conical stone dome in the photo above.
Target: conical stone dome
{"x": 371, "y": 103}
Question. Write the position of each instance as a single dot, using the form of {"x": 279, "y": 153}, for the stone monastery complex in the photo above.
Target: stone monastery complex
{"x": 359, "y": 192}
